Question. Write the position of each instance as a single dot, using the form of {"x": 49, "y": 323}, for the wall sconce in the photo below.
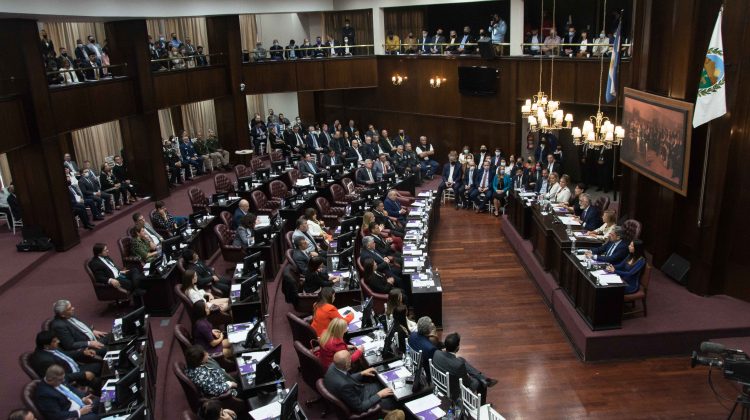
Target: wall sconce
{"x": 436, "y": 82}
{"x": 398, "y": 79}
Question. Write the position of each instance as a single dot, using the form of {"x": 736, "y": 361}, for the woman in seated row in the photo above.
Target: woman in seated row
{"x": 332, "y": 341}
{"x": 205, "y": 335}
{"x": 631, "y": 268}
{"x": 317, "y": 276}
{"x": 324, "y": 311}
{"x": 141, "y": 245}
{"x": 191, "y": 290}
{"x": 602, "y": 232}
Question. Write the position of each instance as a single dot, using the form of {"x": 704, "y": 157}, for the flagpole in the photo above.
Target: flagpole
{"x": 703, "y": 179}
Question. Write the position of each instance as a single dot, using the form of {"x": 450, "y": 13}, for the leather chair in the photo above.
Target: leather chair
{"x": 330, "y": 214}
{"x": 292, "y": 265}
{"x": 229, "y": 252}
{"x": 378, "y": 299}
{"x": 340, "y": 197}
{"x": 198, "y": 200}
{"x": 46, "y": 324}
{"x": 188, "y": 415}
{"x": 23, "y": 360}
{"x": 129, "y": 260}
{"x": 305, "y": 303}
{"x": 278, "y": 190}
{"x": 602, "y": 203}
{"x": 632, "y": 228}
{"x": 164, "y": 233}
{"x": 288, "y": 240}
{"x": 223, "y": 184}
{"x": 350, "y": 186}
{"x": 255, "y": 164}
{"x": 196, "y": 399}
{"x": 105, "y": 292}
{"x": 241, "y": 171}
{"x": 217, "y": 318}
{"x": 302, "y": 331}
{"x": 185, "y": 340}
{"x": 262, "y": 205}
{"x": 277, "y": 155}
{"x": 342, "y": 411}
{"x": 28, "y": 395}
{"x": 226, "y": 218}
{"x": 640, "y": 294}
{"x": 310, "y": 367}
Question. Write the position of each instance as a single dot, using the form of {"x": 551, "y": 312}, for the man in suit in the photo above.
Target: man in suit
{"x": 382, "y": 167}
{"x": 542, "y": 184}
{"x": 393, "y": 207}
{"x": 340, "y": 145}
{"x": 520, "y": 180}
{"x": 420, "y": 340}
{"x": 368, "y": 149}
{"x": 350, "y": 128}
{"x": 307, "y": 166}
{"x": 300, "y": 231}
{"x": 82, "y": 51}
{"x": 467, "y": 38}
{"x": 259, "y": 133}
{"x": 388, "y": 145}
{"x": 479, "y": 157}
{"x": 591, "y": 217}
{"x": 482, "y": 191}
{"x": 140, "y": 222}
{"x": 92, "y": 68}
{"x": 190, "y": 157}
{"x": 57, "y": 400}
{"x": 48, "y": 353}
{"x": 324, "y": 137}
{"x": 331, "y": 159}
{"x": 424, "y": 43}
{"x": 614, "y": 251}
{"x": 106, "y": 272}
{"x": 365, "y": 175}
{"x": 553, "y": 165}
{"x": 451, "y": 177}
{"x": 388, "y": 222}
{"x": 120, "y": 172}
{"x": 291, "y": 52}
{"x": 570, "y": 38}
{"x": 206, "y": 275}
{"x": 436, "y": 41}
{"x": 80, "y": 202}
{"x": 469, "y": 181}
{"x": 91, "y": 189}
{"x": 446, "y": 361}
{"x": 200, "y": 58}
{"x": 359, "y": 396}
{"x": 11, "y": 206}
{"x": 301, "y": 256}
{"x": 243, "y": 208}
{"x": 73, "y": 333}
{"x": 294, "y": 140}
{"x": 312, "y": 142}
{"x": 70, "y": 164}
{"x": 386, "y": 264}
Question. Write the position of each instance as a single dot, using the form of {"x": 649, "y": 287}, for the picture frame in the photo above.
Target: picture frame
{"x": 657, "y": 140}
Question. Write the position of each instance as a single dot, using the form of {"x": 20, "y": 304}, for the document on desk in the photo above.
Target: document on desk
{"x": 303, "y": 182}
{"x": 426, "y": 403}
{"x": 262, "y": 221}
{"x": 347, "y": 310}
{"x": 425, "y": 194}
{"x": 270, "y": 411}
{"x": 527, "y": 194}
{"x": 394, "y": 374}
{"x": 414, "y": 224}
{"x": 361, "y": 340}
{"x": 413, "y": 262}
{"x": 568, "y": 220}
{"x": 607, "y": 279}
{"x": 419, "y": 203}
{"x": 581, "y": 257}
{"x": 412, "y": 250}
{"x": 236, "y": 333}
{"x": 372, "y": 345}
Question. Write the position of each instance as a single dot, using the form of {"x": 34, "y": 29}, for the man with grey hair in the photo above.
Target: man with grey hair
{"x": 386, "y": 264}
{"x": 365, "y": 175}
{"x": 57, "y": 400}
{"x": 243, "y": 208}
{"x": 353, "y": 390}
{"x": 73, "y": 333}
{"x": 425, "y": 339}
{"x": 615, "y": 250}
{"x": 591, "y": 217}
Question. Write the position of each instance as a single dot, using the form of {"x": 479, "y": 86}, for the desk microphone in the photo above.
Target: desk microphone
{"x": 711, "y": 347}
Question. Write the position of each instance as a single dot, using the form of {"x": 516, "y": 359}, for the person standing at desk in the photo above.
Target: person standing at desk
{"x": 613, "y": 251}
{"x": 631, "y": 268}
{"x": 324, "y": 311}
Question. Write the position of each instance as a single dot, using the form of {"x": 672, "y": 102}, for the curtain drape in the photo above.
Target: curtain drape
{"x": 5, "y": 170}
{"x": 361, "y": 21}
{"x": 248, "y": 31}
{"x": 402, "y": 20}
{"x": 97, "y": 142}
{"x": 185, "y": 27}
{"x": 199, "y": 116}
{"x": 65, "y": 34}
{"x": 256, "y": 103}
{"x": 166, "y": 125}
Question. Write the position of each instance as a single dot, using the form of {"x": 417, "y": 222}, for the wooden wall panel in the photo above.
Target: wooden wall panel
{"x": 310, "y": 75}
{"x": 270, "y": 77}
{"x": 90, "y": 104}
{"x": 188, "y": 86}
{"x": 12, "y": 119}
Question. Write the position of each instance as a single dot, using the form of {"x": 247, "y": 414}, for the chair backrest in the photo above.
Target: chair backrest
{"x": 469, "y": 400}
{"x": 223, "y": 184}
{"x": 602, "y": 203}
{"x": 258, "y": 199}
{"x": 181, "y": 265}
{"x": 256, "y": 163}
{"x": 192, "y": 393}
{"x": 288, "y": 239}
{"x": 277, "y": 155}
{"x": 348, "y": 184}
{"x": 342, "y": 410}
{"x": 632, "y": 228}
{"x": 128, "y": 259}
{"x": 323, "y": 205}
{"x": 337, "y": 192}
{"x": 224, "y": 235}
{"x": 197, "y": 199}
{"x": 491, "y": 413}
{"x": 241, "y": 171}
{"x": 185, "y": 300}
{"x": 646, "y": 277}
{"x": 29, "y": 396}
{"x": 23, "y": 360}
{"x": 302, "y": 331}
{"x": 309, "y": 364}
{"x": 379, "y": 299}
{"x": 183, "y": 336}
{"x": 440, "y": 379}
{"x": 226, "y": 218}
{"x": 278, "y": 189}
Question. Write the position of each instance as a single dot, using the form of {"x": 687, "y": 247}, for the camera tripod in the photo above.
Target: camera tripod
{"x": 744, "y": 401}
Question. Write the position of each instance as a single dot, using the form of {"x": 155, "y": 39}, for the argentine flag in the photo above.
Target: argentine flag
{"x": 614, "y": 63}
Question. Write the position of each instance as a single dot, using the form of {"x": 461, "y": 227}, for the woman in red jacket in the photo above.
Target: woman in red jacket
{"x": 324, "y": 311}
{"x": 332, "y": 341}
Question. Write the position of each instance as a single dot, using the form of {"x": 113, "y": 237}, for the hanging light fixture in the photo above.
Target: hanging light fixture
{"x": 542, "y": 113}
{"x": 437, "y": 81}
{"x": 598, "y": 131}
{"x": 398, "y": 79}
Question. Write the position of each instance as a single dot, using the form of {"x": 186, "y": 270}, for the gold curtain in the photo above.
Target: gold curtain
{"x": 256, "y": 103}
{"x": 402, "y": 20}
{"x": 248, "y": 31}
{"x": 361, "y": 21}
{"x": 199, "y": 116}
{"x": 185, "y": 27}
{"x": 5, "y": 170}
{"x": 65, "y": 34}
{"x": 97, "y": 142}
{"x": 166, "y": 125}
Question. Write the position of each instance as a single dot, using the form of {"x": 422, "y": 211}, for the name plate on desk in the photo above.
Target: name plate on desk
{"x": 413, "y": 262}
{"x": 421, "y": 280}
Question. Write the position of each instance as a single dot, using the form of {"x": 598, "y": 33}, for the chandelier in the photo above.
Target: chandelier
{"x": 542, "y": 113}
{"x": 598, "y": 131}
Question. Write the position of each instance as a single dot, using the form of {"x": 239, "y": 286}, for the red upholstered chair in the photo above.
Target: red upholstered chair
{"x": 23, "y": 360}
{"x": 277, "y": 155}
{"x": 255, "y": 164}
{"x": 196, "y": 399}
{"x": 278, "y": 190}
{"x": 302, "y": 331}
{"x": 632, "y": 228}
{"x": 288, "y": 239}
{"x": 351, "y": 187}
{"x": 225, "y": 217}
{"x": 105, "y": 292}
{"x": 340, "y": 197}
{"x": 378, "y": 299}
{"x": 342, "y": 411}
{"x": 28, "y": 395}
{"x": 198, "y": 199}
{"x": 128, "y": 259}
{"x": 294, "y": 175}
{"x": 310, "y": 367}
{"x": 229, "y": 252}
{"x": 262, "y": 205}
{"x": 640, "y": 294}
{"x": 330, "y": 214}
{"x": 223, "y": 184}
{"x": 602, "y": 203}
{"x": 241, "y": 171}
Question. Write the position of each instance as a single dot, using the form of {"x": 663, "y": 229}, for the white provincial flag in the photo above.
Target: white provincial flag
{"x": 711, "y": 101}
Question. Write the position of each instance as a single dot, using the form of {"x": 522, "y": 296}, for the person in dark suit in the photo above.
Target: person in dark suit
{"x": 379, "y": 283}
{"x": 359, "y": 396}
{"x": 300, "y": 255}
{"x": 591, "y": 217}
{"x": 48, "y": 353}
{"x": 571, "y": 37}
{"x": 446, "y": 361}
{"x": 543, "y": 185}
{"x": 553, "y": 165}
{"x": 317, "y": 276}
{"x": 482, "y": 191}
{"x": 313, "y": 141}
{"x": 55, "y": 399}
{"x": 91, "y": 190}
{"x": 467, "y": 185}
{"x": 520, "y": 181}
{"x": 14, "y": 207}
{"x": 331, "y": 159}
{"x": 307, "y": 166}
{"x": 467, "y": 38}
{"x": 424, "y": 43}
{"x": 451, "y": 177}
{"x": 243, "y": 208}
{"x": 92, "y": 67}
{"x": 82, "y": 51}
{"x": 79, "y": 208}
{"x": 385, "y": 264}
{"x": 190, "y": 156}
{"x": 259, "y": 133}
{"x": 121, "y": 174}
{"x": 295, "y": 141}
{"x": 425, "y": 339}
{"x": 200, "y": 59}
{"x": 73, "y": 333}
{"x": 206, "y": 275}
{"x": 366, "y": 176}
{"x": 106, "y": 272}
{"x": 614, "y": 251}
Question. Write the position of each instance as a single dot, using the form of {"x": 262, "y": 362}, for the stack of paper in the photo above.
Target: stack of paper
{"x": 303, "y": 182}
{"x": 609, "y": 278}
{"x": 568, "y": 220}
{"x": 427, "y": 407}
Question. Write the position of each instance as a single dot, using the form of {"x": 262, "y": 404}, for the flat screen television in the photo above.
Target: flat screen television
{"x": 478, "y": 80}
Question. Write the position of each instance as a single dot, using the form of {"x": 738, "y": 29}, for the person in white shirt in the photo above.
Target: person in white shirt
{"x": 554, "y": 188}
{"x": 585, "y": 49}
{"x": 68, "y": 77}
{"x": 563, "y": 193}
{"x": 602, "y": 232}
{"x": 601, "y": 45}
{"x": 190, "y": 288}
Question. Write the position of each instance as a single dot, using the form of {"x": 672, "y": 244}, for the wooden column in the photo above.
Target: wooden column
{"x": 177, "y": 123}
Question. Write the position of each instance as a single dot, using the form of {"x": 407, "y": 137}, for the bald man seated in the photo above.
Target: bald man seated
{"x": 243, "y": 208}
{"x": 359, "y": 396}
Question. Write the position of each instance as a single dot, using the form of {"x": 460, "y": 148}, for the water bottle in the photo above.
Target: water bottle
{"x": 279, "y": 391}
{"x": 573, "y": 245}
{"x": 449, "y": 415}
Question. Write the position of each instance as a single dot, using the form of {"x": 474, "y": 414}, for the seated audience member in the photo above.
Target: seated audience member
{"x": 392, "y": 43}
{"x": 393, "y": 207}
{"x": 57, "y": 400}
{"x": 291, "y": 51}
{"x": 301, "y": 231}
{"x": 613, "y": 251}
{"x": 215, "y": 150}
{"x": 315, "y": 226}
{"x": 332, "y": 341}
{"x": 425, "y": 152}
{"x": 48, "y": 352}
{"x": 551, "y": 43}
{"x": 379, "y": 215}
{"x": 206, "y": 374}
{"x": 92, "y": 68}
{"x": 458, "y": 368}
{"x": 172, "y": 162}
{"x": 191, "y": 290}
{"x": 482, "y": 191}
{"x": 79, "y": 208}
{"x": 164, "y": 220}
{"x": 121, "y": 174}
{"x": 452, "y": 176}
{"x": 89, "y": 186}
{"x": 73, "y": 333}
{"x": 630, "y": 269}
{"x": 404, "y": 325}
{"x": 212, "y": 410}
{"x": 202, "y": 150}
{"x": 563, "y": 193}
{"x": 554, "y": 187}
{"x": 385, "y": 244}
{"x": 543, "y": 183}
{"x": 396, "y": 299}
{"x": 316, "y": 276}
{"x": 190, "y": 157}
{"x": 245, "y": 236}
{"x": 106, "y": 272}
{"x": 110, "y": 185}
{"x": 501, "y": 184}
{"x": 243, "y": 208}
{"x": 276, "y": 51}
{"x": 324, "y": 311}
{"x": 141, "y": 245}
{"x": 425, "y": 339}
{"x": 365, "y": 175}
{"x": 358, "y": 395}
{"x": 206, "y": 275}
{"x": 385, "y": 264}
{"x": 379, "y": 283}
{"x": 140, "y": 222}
{"x": 301, "y": 256}
{"x": 382, "y": 166}
{"x": 21, "y": 414}
{"x": 78, "y": 200}
{"x": 609, "y": 222}
{"x": 205, "y": 335}
{"x": 590, "y": 216}
{"x": 307, "y": 166}
{"x": 468, "y": 184}
{"x": 574, "y": 203}
{"x": 9, "y": 203}
{"x": 69, "y": 163}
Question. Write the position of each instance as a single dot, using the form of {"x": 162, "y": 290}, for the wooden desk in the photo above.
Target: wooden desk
{"x": 159, "y": 299}
{"x": 541, "y": 237}
{"x": 519, "y": 214}
{"x": 599, "y": 306}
